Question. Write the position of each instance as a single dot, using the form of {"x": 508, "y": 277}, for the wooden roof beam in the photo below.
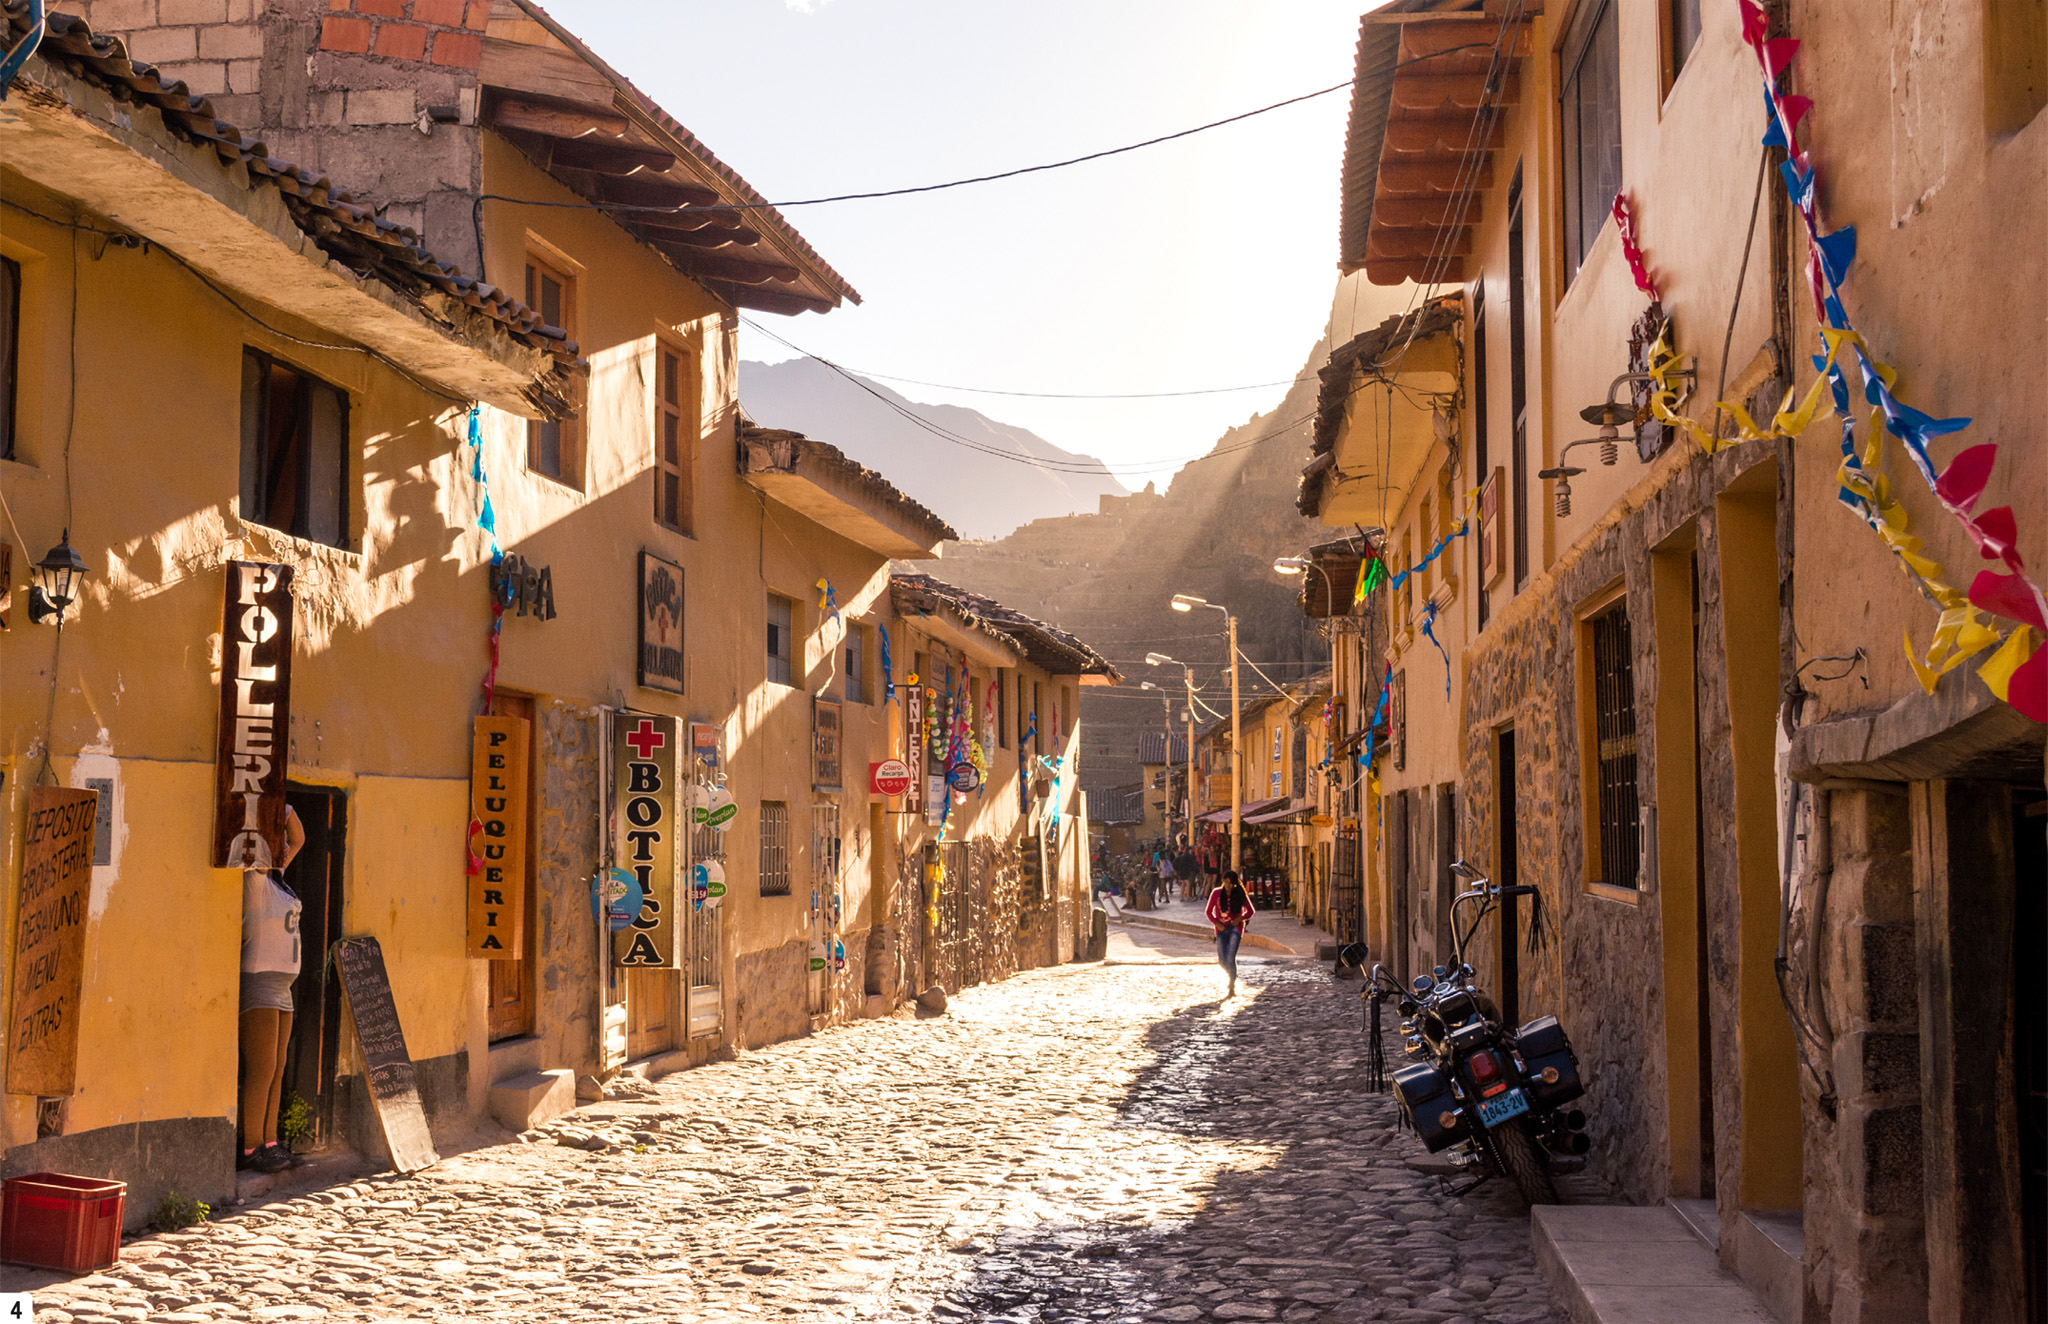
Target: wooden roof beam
{"x": 1419, "y": 213}
{"x": 1400, "y": 178}
{"x": 1453, "y": 132}
{"x": 707, "y": 237}
{"x": 1432, "y": 92}
{"x": 1423, "y": 41}
{"x": 1393, "y": 271}
{"x": 607, "y": 158}
{"x": 641, "y": 190}
{"x": 670, "y": 224}
{"x": 733, "y": 270}
{"x": 561, "y": 119}
{"x": 1406, "y": 245}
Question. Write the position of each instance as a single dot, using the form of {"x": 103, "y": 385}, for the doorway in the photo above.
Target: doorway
{"x": 315, "y": 874}
{"x": 1509, "y": 872}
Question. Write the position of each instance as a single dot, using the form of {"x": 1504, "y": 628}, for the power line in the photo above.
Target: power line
{"x": 1085, "y": 395}
{"x": 926, "y": 188}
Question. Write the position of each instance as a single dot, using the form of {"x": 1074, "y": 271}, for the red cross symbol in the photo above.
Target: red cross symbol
{"x": 645, "y": 739}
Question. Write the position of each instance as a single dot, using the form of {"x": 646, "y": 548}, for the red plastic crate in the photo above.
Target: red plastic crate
{"x": 56, "y": 1221}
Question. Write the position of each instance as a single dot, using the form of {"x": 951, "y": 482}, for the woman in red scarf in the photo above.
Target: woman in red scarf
{"x": 1230, "y": 909}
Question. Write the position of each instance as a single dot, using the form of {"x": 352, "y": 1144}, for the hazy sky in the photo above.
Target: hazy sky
{"x": 1205, "y": 262}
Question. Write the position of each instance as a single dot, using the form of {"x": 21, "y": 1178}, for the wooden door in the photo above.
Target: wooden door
{"x": 316, "y": 876}
{"x": 511, "y": 983}
{"x": 650, "y": 1011}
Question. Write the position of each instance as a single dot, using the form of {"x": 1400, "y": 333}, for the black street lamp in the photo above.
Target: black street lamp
{"x": 58, "y": 576}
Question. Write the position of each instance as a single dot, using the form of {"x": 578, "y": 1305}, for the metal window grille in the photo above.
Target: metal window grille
{"x": 703, "y": 930}
{"x": 774, "y": 848}
{"x": 1614, "y": 710}
{"x": 825, "y": 846}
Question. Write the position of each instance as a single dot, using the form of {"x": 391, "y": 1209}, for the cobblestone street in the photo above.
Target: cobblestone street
{"x": 1094, "y": 1142}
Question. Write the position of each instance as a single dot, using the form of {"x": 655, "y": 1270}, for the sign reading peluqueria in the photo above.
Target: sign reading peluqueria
{"x": 49, "y": 941}
{"x": 254, "y": 748}
{"x": 497, "y": 840}
{"x": 644, "y": 803}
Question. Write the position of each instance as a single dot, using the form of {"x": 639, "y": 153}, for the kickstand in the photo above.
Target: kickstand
{"x": 1461, "y": 1191}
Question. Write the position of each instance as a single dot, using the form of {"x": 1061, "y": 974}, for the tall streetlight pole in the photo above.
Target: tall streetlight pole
{"x": 1188, "y": 602}
{"x": 1187, "y": 676}
{"x": 1165, "y": 755}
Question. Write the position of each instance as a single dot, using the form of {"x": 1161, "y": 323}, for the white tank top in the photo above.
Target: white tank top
{"x": 270, "y": 924}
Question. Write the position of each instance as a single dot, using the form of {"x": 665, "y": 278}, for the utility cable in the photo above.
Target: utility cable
{"x": 925, "y": 188}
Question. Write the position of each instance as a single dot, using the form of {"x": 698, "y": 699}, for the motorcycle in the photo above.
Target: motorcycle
{"x": 1498, "y": 1096}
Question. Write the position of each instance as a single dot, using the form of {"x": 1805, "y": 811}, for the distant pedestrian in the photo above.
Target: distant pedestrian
{"x": 1230, "y": 909}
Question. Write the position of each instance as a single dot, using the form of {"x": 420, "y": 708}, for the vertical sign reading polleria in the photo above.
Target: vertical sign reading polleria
{"x": 254, "y": 749}
{"x": 661, "y": 624}
{"x": 49, "y": 942}
{"x": 644, "y": 791}
{"x": 497, "y": 807}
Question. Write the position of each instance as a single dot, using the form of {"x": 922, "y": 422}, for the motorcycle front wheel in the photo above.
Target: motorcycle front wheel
{"x": 1520, "y": 1157}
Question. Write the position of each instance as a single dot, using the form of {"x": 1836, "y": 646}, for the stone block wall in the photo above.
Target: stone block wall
{"x": 565, "y": 753}
{"x": 1600, "y": 965}
{"x": 378, "y": 94}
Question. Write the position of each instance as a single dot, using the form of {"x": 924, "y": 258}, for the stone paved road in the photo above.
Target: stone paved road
{"x": 1106, "y": 1142}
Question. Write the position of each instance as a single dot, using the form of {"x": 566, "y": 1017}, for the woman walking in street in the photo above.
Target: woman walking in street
{"x": 1230, "y": 909}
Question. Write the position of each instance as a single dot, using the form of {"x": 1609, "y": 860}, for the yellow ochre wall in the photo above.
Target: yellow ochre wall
{"x": 153, "y": 477}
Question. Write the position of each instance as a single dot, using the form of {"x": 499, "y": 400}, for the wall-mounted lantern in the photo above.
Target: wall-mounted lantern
{"x": 58, "y": 576}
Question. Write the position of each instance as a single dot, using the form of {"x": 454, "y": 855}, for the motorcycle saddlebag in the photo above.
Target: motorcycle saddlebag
{"x": 1426, "y": 1093}
{"x": 1545, "y": 1049}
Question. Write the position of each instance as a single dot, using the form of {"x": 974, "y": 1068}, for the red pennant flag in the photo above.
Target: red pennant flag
{"x": 2028, "y": 689}
{"x": 2009, "y": 596}
{"x": 1962, "y": 482}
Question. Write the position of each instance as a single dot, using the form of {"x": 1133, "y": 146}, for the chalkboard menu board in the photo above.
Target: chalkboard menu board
{"x": 381, "y": 1042}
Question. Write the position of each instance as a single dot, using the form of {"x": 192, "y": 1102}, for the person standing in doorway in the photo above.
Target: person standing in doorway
{"x": 1230, "y": 909}
{"x": 270, "y": 962}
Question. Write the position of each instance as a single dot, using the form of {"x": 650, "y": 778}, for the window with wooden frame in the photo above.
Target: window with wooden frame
{"x": 1589, "y": 106}
{"x": 1607, "y": 727}
{"x": 554, "y": 447}
{"x": 1681, "y": 33}
{"x": 295, "y": 471}
{"x": 10, "y": 350}
{"x": 774, "y": 848}
{"x": 675, "y": 440}
{"x": 781, "y": 643}
{"x": 1003, "y": 708}
{"x": 1447, "y": 516}
{"x": 855, "y": 674}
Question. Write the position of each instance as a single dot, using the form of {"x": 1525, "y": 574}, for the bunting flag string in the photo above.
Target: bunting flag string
{"x": 1429, "y": 633}
{"x": 2015, "y": 672}
{"x": 888, "y": 671}
{"x": 487, "y": 520}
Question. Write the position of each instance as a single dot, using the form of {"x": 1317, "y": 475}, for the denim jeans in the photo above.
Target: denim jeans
{"x": 1226, "y": 949}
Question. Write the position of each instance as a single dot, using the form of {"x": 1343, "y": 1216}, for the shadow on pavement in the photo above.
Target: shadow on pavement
{"x": 1318, "y": 1218}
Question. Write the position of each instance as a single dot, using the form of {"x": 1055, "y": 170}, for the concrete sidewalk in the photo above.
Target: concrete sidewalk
{"x": 1278, "y": 932}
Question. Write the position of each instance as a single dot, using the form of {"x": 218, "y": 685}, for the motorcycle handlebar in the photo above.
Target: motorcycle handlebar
{"x": 1519, "y": 889}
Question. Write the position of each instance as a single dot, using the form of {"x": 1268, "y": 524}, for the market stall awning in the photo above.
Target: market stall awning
{"x": 1286, "y": 815}
{"x": 1255, "y": 807}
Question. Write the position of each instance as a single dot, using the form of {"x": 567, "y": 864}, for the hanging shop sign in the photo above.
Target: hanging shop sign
{"x": 521, "y": 588}
{"x": 661, "y": 624}
{"x": 254, "y": 747}
{"x": 913, "y": 741}
{"x": 707, "y": 884}
{"x": 889, "y": 777}
{"x": 963, "y": 777}
{"x": 713, "y": 807}
{"x": 380, "y": 1043}
{"x": 497, "y": 842}
{"x": 826, "y": 744}
{"x": 934, "y": 799}
{"x": 49, "y": 941}
{"x": 615, "y": 898}
{"x": 704, "y": 743}
{"x": 644, "y": 800}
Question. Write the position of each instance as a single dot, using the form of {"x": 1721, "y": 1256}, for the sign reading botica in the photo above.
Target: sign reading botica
{"x": 49, "y": 942}
{"x": 255, "y": 716}
{"x": 644, "y": 792}
{"x": 497, "y": 808}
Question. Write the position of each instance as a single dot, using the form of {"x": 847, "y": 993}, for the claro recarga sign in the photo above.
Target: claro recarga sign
{"x": 254, "y": 750}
